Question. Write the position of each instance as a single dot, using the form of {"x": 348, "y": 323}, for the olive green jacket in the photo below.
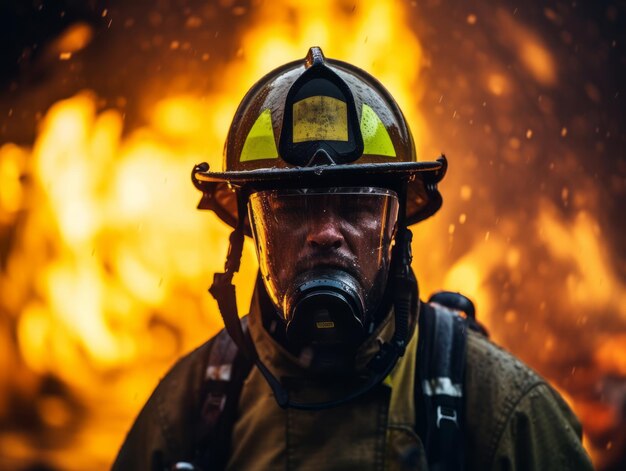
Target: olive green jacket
{"x": 514, "y": 419}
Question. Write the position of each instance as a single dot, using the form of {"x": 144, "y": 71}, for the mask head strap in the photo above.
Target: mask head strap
{"x": 381, "y": 365}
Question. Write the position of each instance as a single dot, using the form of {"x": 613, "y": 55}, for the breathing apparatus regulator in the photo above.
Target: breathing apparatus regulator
{"x": 320, "y": 169}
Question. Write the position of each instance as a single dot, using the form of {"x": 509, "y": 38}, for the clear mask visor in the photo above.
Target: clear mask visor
{"x": 304, "y": 231}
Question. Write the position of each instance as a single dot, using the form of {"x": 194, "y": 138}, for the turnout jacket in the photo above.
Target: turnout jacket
{"x": 513, "y": 419}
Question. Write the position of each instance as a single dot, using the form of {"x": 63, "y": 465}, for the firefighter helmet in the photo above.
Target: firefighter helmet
{"x": 319, "y": 122}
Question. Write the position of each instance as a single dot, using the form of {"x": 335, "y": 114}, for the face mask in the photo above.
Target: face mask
{"x": 324, "y": 256}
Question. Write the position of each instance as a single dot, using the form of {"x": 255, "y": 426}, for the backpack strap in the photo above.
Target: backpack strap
{"x": 226, "y": 370}
{"x": 439, "y": 389}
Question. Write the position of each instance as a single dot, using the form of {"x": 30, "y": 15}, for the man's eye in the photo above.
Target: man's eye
{"x": 288, "y": 207}
{"x": 354, "y": 207}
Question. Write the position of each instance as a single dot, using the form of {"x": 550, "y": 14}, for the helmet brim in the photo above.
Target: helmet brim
{"x": 421, "y": 178}
{"x": 319, "y": 175}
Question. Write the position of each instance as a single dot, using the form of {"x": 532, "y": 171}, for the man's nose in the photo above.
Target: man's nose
{"x": 325, "y": 234}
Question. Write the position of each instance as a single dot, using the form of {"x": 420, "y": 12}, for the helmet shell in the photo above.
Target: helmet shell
{"x": 271, "y": 91}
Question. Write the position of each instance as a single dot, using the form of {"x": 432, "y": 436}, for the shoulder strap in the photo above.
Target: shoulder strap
{"x": 226, "y": 370}
{"x": 439, "y": 389}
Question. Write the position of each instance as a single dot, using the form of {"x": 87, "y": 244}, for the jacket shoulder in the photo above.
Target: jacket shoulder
{"x": 164, "y": 429}
{"x": 511, "y": 410}
{"x": 495, "y": 381}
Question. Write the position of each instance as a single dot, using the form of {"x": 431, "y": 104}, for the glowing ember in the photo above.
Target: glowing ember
{"x": 74, "y": 38}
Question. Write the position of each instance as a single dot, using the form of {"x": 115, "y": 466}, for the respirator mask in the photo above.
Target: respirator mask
{"x": 324, "y": 256}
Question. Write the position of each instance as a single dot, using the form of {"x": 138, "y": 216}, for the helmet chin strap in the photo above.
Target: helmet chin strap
{"x": 383, "y": 362}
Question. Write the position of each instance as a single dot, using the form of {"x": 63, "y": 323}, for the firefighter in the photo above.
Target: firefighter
{"x": 338, "y": 365}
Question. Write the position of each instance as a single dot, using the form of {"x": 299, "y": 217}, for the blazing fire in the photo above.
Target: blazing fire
{"x": 107, "y": 259}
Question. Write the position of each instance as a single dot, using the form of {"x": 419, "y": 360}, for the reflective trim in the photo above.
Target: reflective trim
{"x": 183, "y": 465}
{"x": 325, "y": 325}
{"x": 320, "y": 118}
{"x": 376, "y": 140}
{"x": 260, "y": 143}
{"x": 441, "y": 386}
{"x": 219, "y": 372}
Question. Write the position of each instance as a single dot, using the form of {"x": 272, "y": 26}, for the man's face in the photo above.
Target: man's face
{"x": 301, "y": 232}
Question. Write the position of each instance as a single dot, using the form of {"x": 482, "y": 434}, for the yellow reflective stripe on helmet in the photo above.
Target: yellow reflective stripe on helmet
{"x": 260, "y": 143}
{"x": 376, "y": 140}
{"x": 320, "y": 118}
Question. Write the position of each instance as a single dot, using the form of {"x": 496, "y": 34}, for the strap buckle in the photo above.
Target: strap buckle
{"x": 447, "y": 413}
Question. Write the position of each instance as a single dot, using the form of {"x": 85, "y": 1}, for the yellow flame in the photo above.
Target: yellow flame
{"x": 114, "y": 235}
{"x": 593, "y": 282}
{"x": 12, "y": 162}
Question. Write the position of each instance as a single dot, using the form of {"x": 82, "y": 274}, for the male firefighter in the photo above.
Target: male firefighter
{"x": 338, "y": 365}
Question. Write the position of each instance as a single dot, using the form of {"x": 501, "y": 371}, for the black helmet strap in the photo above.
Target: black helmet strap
{"x": 383, "y": 362}
{"x": 224, "y": 293}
